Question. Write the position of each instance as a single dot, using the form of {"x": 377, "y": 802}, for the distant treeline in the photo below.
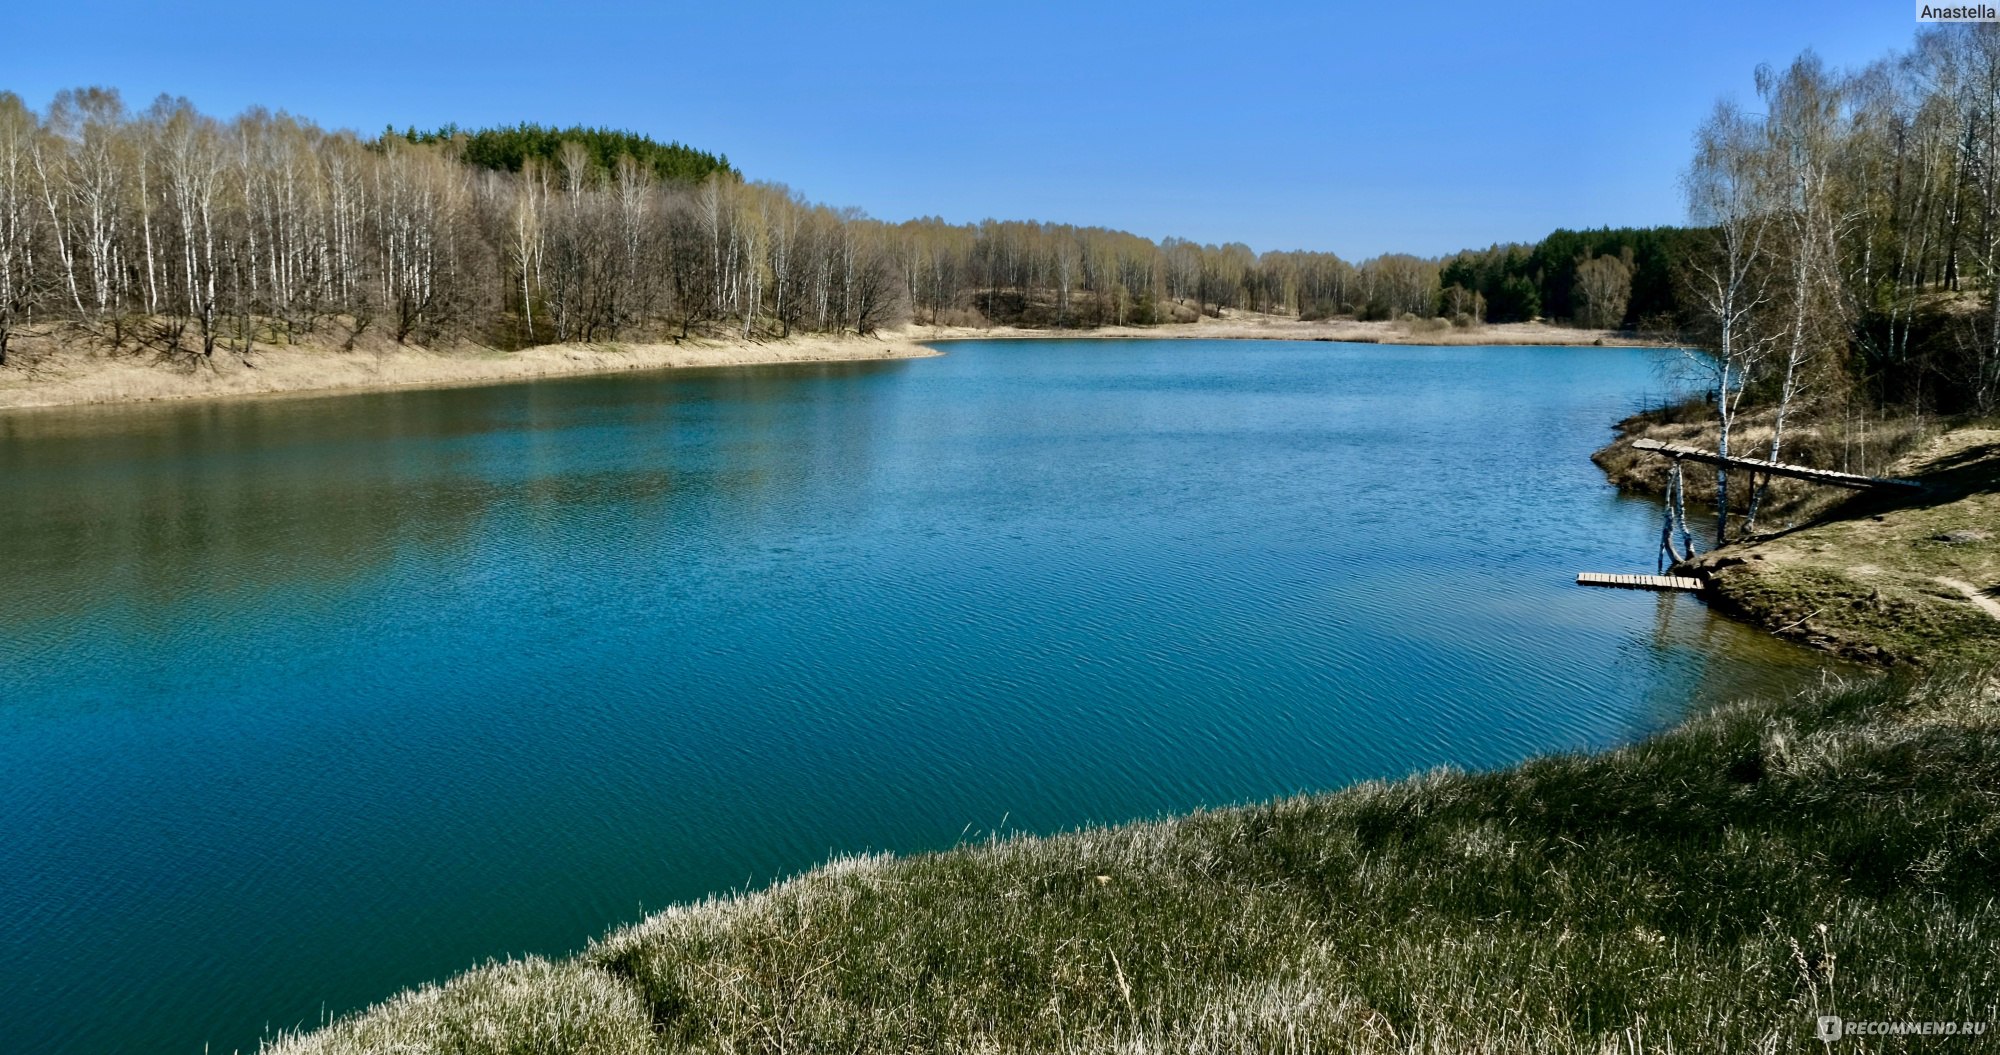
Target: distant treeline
{"x": 508, "y": 149}
{"x": 170, "y": 229}
{"x": 1063, "y": 276}
{"x": 1622, "y": 277}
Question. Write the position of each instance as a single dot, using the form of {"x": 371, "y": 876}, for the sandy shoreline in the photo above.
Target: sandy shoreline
{"x": 65, "y": 377}
{"x": 1245, "y": 326}
{"x": 75, "y": 380}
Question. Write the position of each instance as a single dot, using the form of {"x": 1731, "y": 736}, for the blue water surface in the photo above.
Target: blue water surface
{"x": 306, "y": 700}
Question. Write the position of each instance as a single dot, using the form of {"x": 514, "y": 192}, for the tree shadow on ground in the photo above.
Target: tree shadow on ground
{"x": 1973, "y": 470}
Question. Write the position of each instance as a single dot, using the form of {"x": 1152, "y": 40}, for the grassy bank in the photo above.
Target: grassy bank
{"x": 1712, "y": 889}
{"x": 1889, "y": 577}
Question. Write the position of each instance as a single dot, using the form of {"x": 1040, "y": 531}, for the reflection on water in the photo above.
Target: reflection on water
{"x": 305, "y": 700}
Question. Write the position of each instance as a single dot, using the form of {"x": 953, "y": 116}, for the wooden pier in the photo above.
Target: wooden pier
{"x": 1851, "y": 481}
{"x": 1638, "y": 582}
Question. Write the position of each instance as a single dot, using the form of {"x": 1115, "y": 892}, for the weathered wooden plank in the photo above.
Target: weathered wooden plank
{"x": 1796, "y": 472}
{"x": 1638, "y": 582}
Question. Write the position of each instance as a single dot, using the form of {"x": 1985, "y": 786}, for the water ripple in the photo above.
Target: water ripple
{"x": 304, "y": 701}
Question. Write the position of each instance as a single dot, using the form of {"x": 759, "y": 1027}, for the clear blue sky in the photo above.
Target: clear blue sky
{"x": 1422, "y": 127}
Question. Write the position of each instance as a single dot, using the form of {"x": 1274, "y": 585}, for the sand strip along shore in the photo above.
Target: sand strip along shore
{"x": 68, "y": 379}
{"x": 52, "y": 376}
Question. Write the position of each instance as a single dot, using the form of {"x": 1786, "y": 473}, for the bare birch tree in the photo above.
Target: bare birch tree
{"x": 17, "y": 204}
{"x": 1727, "y": 279}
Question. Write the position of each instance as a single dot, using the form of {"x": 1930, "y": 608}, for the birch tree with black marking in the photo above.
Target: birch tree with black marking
{"x": 1727, "y": 277}
{"x": 17, "y": 205}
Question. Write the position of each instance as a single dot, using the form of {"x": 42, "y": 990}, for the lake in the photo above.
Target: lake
{"x": 306, "y": 700}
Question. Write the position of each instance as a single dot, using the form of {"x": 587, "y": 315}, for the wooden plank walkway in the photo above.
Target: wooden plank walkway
{"x": 1638, "y": 582}
{"x": 1796, "y": 472}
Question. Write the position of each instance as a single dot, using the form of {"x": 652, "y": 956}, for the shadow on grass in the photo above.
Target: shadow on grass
{"x": 1974, "y": 470}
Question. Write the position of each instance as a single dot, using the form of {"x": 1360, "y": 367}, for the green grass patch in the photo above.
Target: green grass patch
{"x": 1883, "y": 618}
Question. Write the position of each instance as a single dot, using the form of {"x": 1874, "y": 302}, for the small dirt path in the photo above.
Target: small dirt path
{"x": 1973, "y": 594}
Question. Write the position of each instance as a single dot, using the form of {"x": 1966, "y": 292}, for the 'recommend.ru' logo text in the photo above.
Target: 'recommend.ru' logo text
{"x": 1833, "y": 1027}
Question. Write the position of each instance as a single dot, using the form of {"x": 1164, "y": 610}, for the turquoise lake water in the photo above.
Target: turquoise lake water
{"x": 306, "y": 700}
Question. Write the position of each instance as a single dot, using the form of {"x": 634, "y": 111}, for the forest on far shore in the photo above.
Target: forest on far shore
{"x": 1842, "y": 242}
{"x": 176, "y": 230}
